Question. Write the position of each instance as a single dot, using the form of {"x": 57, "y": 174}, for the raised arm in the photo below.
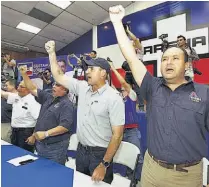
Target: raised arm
{"x": 4, "y": 94}
{"x": 136, "y": 40}
{"x": 122, "y": 81}
{"x": 28, "y": 82}
{"x": 55, "y": 69}
{"x": 68, "y": 61}
{"x": 10, "y": 63}
{"x": 137, "y": 67}
{"x": 194, "y": 55}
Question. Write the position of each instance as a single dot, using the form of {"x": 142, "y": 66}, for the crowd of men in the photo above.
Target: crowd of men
{"x": 177, "y": 111}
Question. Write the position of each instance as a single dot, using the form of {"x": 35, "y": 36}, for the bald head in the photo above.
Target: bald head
{"x": 22, "y": 89}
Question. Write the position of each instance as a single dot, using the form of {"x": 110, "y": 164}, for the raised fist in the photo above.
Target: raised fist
{"x": 50, "y": 47}
{"x": 116, "y": 13}
{"x": 22, "y": 69}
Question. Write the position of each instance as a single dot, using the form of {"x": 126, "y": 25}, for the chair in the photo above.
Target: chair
{"x": 128, "y": 155}
{"x": 72, "y": 147}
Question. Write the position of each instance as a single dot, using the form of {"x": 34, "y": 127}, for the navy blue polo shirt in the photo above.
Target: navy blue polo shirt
{"x": 176, "y": 124}
{"x": 54, "y": 112}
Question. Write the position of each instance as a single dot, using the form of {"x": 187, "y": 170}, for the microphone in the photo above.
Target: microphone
{"x": 196, "y": 71}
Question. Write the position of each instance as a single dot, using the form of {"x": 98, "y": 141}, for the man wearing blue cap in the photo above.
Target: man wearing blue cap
{"x": 100, "y": 116}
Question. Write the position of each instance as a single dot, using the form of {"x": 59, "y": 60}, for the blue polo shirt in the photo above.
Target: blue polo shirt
{"x": 131, "y": 118}
{"x": 177, "y": 121}
{"x": 54, "y": 112}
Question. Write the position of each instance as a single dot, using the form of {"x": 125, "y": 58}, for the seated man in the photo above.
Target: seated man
{"x": 25, "y": 111}
{"x": 53, "y": 128}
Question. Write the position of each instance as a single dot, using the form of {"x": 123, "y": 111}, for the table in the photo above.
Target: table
{"x": 44, "y": 172}
{"x": 40, "y": 173}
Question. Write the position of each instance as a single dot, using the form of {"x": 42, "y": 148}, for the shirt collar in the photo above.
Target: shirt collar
{"x": 163, "y": 81}
{"x": 26, "y": 97}
{"x": 60, "y": 98}
{"x": 100, "y": 90}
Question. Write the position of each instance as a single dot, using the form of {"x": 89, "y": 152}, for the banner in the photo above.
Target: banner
{"x": 38, "y": 65}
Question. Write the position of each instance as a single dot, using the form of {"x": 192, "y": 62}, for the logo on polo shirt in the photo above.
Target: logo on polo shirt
{"x": 56, "y": 105}
{"x": 16, "y": 100}
{"x": 193, "y": 96}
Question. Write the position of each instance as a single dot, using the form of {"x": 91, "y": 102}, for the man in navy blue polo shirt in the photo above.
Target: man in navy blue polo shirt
{"x": 54, "y": 124}
{"x": 177, "y": 116}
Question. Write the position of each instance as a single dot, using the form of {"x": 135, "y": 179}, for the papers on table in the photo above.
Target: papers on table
{"x": 16, "y": 161}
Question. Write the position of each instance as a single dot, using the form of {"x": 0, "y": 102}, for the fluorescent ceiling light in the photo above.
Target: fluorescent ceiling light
{"x": 29, "y": 28}
{"x": 61, "y": 4}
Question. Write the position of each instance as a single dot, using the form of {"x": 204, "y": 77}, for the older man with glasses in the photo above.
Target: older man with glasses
{"x": 54, "y": 124}
{"x": 25, "y": 111}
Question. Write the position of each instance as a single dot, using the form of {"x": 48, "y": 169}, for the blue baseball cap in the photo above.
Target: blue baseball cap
{"x": 99, "y": 62}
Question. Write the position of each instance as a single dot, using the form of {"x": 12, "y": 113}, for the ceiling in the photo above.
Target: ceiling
{"x": 63, "y": 26}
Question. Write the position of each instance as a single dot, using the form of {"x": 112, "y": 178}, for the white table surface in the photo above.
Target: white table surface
{"x": 82, "y": 180}
{"x": 5, "y": 143}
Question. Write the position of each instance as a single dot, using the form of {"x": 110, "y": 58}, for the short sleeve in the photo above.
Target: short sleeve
{"x": 11, "y": 98}
{"x": 66, "y": 116}
{"x": 76, "y": 85}
{"x": 35, "y": 108}
{"x": 117, "y": 111}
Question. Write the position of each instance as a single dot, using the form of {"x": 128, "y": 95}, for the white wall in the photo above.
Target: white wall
{"x": 113, "y": 51}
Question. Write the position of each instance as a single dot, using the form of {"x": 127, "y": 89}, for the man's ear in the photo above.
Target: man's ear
{"x": 103, "y": 72}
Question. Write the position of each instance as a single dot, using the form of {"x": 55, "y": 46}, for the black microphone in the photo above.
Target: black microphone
{"x": 196, "y": 71}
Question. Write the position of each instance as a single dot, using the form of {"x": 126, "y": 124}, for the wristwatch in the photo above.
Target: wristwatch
{"x": 46, "y": 134}
{"x": 106, "y": 164}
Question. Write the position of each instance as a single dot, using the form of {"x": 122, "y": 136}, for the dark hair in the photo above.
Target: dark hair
{"x": 62, "y": 60}
{"x": 186, "y": 57}
{"x": 181, "y": 36}
{"x": 48, "y": 69}
{"x": 94, "y": 52}
{"x": 12, "y": 82}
